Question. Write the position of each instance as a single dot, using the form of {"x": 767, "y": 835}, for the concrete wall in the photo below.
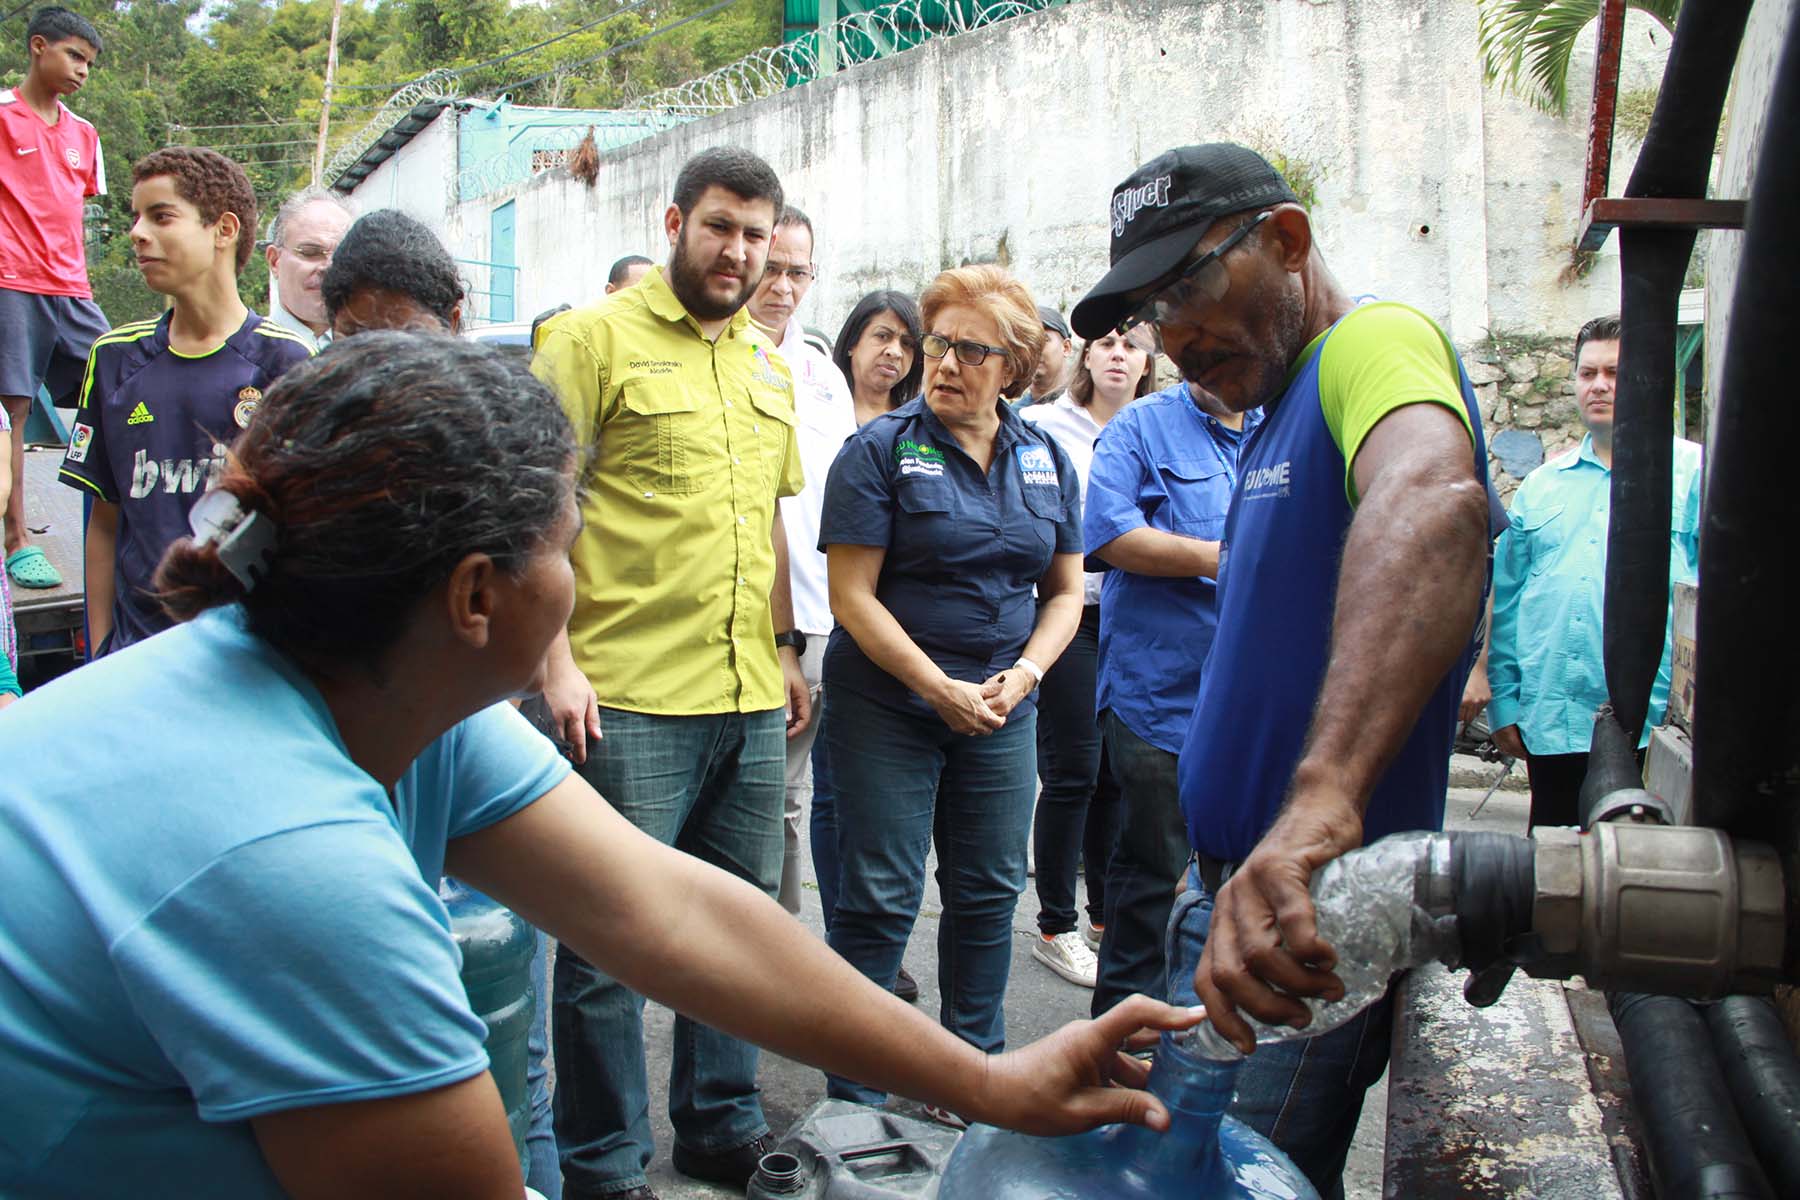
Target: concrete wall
{"x": 421, "y": 179}
{"x": 1746, "y": 113}
{"x": 1005, "y": 144}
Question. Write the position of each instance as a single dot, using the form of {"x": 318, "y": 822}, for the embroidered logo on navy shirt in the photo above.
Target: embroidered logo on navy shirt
{"x": 1036, "y": 465}
{"x": 915, "y": 458}
{"x": 1268, "y": 483}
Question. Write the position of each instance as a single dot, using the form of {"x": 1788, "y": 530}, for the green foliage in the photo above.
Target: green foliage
{"x": 1631, "y": 117}
{"x": 249, "y": 81}
{"x": 1526, "y": 44}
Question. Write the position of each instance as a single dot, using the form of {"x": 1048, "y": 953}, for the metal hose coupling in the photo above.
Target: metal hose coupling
{"x": 1630, "y": 905}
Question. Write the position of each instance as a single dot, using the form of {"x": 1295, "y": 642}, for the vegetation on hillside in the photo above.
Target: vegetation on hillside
{"x": 247, "y": 77}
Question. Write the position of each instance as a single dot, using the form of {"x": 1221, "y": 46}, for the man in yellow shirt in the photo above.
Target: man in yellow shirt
{"x": 680, "y": 646}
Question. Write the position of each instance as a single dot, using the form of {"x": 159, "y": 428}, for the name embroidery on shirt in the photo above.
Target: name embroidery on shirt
{"x": 654, "y": 366}
{"x": 915, "y": 458}
{"x": 1036, "y": 465}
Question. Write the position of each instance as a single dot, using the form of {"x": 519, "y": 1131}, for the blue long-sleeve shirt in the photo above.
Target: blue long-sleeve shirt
{"x": 1545, "y": 664}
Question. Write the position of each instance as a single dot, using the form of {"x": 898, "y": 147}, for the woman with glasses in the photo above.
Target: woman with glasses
{"x": 940, "y": 518}
{"x": 878, "y": 352}
{"x": 1077, "y": 814}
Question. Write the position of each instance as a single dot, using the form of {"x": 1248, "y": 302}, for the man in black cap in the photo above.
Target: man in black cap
{"x": 1351, "y": 574}
{"x": 1051, "y": 377}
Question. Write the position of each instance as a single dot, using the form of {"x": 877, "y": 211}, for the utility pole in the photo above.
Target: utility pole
{"x": 318, "y": 174}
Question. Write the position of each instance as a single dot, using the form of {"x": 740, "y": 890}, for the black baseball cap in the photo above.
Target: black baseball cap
{"x": 1161, "y": 212}
{"x": 1053, "y": 321}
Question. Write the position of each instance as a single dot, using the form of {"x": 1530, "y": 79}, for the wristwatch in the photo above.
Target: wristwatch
{"x": 794, "y": 638}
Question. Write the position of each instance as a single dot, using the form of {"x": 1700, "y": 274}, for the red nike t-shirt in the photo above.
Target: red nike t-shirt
{"x": 46, "y": 171}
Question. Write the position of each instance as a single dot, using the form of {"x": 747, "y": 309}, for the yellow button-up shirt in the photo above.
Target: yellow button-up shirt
{"x": 692, "y": 443}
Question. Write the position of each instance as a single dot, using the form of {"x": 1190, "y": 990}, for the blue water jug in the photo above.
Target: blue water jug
{"x": 1204, "y": 1155}
{"x": 497, "y": 946}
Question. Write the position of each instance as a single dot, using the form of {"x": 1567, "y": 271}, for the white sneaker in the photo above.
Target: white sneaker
{"x": 1091, "y": 934}
{"x": 1068, "y": 955}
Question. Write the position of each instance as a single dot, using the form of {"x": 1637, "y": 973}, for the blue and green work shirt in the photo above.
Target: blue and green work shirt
{"x": 1545, "y": 665}
{"x": 964, "y": 547}
{"x": 1278, "y": 582}
{"x": 1161, "y": 463}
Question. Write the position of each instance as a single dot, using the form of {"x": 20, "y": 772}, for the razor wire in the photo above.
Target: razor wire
{"x": 437, "y": 85}
{"x": 852, "y": 39}
{"x": 855, "y": 38}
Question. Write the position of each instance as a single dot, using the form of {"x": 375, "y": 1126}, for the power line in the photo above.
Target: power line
{"x": 245, "y": 125}
{"x": 508, "y": 56}
{"x": 612, "y": 50}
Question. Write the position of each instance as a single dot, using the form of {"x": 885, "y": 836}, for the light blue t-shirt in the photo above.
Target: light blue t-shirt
{"x": 212, "y": 913}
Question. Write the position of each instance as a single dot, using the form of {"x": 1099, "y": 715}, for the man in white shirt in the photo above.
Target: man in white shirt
{"x": 302, "y": 238}
{"x": 825, "y": 418}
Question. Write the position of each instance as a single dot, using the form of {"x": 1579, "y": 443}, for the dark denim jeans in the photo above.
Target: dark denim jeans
{"x": 904, "y": 782}
{"x": 1303, "y": 1094}
{"x": 1077, "y": 811}
{"x": 1146, "y": 866}
{"x": 712, "y": 786}
{"x": 542, "y": 1171}
{"x": 823, "y": 831}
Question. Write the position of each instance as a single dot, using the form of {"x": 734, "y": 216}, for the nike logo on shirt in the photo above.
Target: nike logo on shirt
{"x": 24, "y": 150}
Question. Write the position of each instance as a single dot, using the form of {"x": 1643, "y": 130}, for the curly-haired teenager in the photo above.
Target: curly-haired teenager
{"x": 163, "y": 398}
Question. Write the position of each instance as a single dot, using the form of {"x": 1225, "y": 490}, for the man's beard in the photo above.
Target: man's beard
{"x": 1285, "y": 339}
{"x": 687, "y": 279}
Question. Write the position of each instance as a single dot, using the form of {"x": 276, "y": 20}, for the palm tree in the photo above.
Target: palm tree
{"x": 1526, "y": 44}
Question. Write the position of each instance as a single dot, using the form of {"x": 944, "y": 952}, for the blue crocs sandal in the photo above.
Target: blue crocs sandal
{"x": 29, "y": 568}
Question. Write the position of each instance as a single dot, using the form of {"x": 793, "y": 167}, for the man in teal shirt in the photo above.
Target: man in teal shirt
{"x": 1545, "y": 664}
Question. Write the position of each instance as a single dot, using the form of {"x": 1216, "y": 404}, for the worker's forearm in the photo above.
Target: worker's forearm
{"x": 99, "y": 563}
{"x": 1058, "y": 617}
{"x": 1157, "y": 552}
{"x": 1409, "y": 587}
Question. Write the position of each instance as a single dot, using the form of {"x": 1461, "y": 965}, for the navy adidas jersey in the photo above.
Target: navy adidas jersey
{"x": 150, "y": 435}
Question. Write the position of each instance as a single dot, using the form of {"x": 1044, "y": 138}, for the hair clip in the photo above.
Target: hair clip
{"x": 244, "y": 538}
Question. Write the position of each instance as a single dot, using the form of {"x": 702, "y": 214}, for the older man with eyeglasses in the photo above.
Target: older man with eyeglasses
{"x": 1351, "y": 572}
{"x": 302, "y": 238}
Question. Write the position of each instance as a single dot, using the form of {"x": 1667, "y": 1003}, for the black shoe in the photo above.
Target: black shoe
{"x": 906, "y": 987}
{"x": 637, "y": 1193}
{"x": 733, "y": 1167}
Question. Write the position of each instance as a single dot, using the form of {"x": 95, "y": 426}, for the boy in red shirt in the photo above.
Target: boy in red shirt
{"x": 49, "y": 165}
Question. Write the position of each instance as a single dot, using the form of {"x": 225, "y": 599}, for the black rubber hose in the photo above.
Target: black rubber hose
{"x": 1495, "y": 876}
{"x": 1764, "y": 1077}
{"x": 1747, "y": 762}
{"x": 1612, "y": 764}
{"x": 1674, "y": 162}
{"x": 1696, "y": 1144}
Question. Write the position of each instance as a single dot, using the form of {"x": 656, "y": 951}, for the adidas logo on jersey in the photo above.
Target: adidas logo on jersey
{"x": 139, "y": 415}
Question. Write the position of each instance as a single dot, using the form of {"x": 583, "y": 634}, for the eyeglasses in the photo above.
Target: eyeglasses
{"x": 973, "y": 354}
{"x": 1206, "y": 278}
{"x": 311, "y": 252}
{"x": 798, "y": 276}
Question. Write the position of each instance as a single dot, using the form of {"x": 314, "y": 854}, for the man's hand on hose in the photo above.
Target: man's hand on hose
{"x": 1081, "y": 1076}
{"x": 1264, "y": 939}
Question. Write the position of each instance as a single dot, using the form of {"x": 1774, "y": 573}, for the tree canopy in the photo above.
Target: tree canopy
{"x": 247, "y": 77}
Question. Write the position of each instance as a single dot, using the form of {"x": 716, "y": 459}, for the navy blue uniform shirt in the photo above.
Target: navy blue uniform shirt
{"x": 964, "y": 549}
{"x": 150, "y": 436}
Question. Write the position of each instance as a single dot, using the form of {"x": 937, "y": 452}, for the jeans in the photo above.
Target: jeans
{"x": 1303, "y": 1094}
{"x": 905, "y": 782}
{"x": 800, "y": 777}
{"x": 541, "y": 1169}
{"x": 1145, "y": 871}
{"x": 823, "y": 829}
{"x": 711, "y": 786}
{"x": 1077, "y": 812}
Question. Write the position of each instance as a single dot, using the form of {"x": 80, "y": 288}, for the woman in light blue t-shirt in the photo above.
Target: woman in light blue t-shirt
{"x": 224, "y": 969}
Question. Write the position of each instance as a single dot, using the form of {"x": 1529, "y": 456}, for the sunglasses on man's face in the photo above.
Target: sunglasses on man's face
{"x": 1204, "y": 281}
